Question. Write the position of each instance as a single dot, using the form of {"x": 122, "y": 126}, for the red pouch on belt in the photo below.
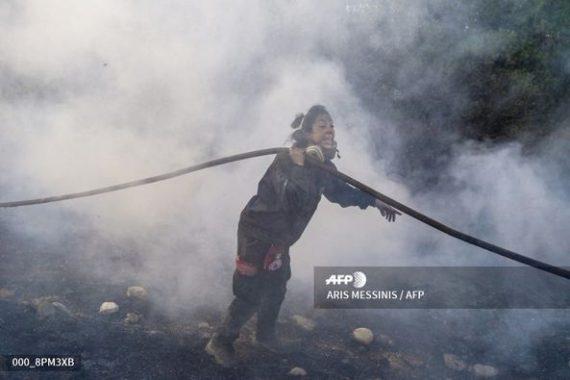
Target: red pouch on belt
{"x": 245, "y": 268}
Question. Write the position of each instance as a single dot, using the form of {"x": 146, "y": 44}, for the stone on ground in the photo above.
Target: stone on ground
{"x": 137, "y": 292}
{"x": 204, "y": 325}
{"x": 61, "y": 308}
{"x": 297, "y": 371}
{"x": 49, "y": 307}
{"x": 453, "y": 362}
{"x": 132, "y": 318}
{"x": 363, "y": 335}
{"x": 108, "y": 308}
{"x": 304, "y": 323}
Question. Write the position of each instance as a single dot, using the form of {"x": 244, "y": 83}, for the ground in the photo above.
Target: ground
{"x": 166, "y": 345}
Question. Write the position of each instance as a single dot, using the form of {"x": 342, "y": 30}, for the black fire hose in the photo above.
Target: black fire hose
{"x": 445, "y": 229}
{"x": 264, "y": 152}
{"x": 146, "y": 181}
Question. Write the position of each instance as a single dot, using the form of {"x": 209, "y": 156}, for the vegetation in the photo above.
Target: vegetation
{"x": 486, "y": 70}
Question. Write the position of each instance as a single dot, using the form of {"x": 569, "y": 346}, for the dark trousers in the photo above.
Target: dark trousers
{"x": 261, "y": 293}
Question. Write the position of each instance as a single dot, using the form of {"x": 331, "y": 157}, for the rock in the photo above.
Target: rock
{"x": 62, "y": 309}
{"x": 297, "y": 371}
{"x": 304, "y": 323}
{"x": 482, "y": 370}
{"x": 363, "y": 335}
{"x": 137, "y": 292}
{"x": 6, "y": 293}
{"x": 48, "y": 307}
{"x": 132, "y": 318}
{"x": 204, "y": 326}
{"x": 453, "y": 362}
{"x": 205, "y": 330}
{"x": 108, "y": 308}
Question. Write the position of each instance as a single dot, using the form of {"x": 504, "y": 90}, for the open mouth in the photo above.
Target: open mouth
{"x": 328, "y": 142}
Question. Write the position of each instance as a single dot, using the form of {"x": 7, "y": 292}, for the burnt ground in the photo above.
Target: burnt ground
{"x": 166, "y": 345}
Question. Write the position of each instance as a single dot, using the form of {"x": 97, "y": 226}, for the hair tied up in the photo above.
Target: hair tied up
{"x": 298, "y": 120}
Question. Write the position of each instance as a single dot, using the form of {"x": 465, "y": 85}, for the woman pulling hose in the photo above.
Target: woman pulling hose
{"x": 273, "y": 220}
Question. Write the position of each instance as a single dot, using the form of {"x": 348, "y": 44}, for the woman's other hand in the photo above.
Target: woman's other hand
{"x": 387, "y": 212}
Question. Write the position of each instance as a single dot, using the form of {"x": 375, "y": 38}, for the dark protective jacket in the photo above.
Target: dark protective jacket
{"x": 287, "y": 197}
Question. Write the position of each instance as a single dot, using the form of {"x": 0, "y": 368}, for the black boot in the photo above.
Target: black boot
{"x": 269, "y": 343}
{"x": 222, "y": 350}
{"x": 221, "y": 344}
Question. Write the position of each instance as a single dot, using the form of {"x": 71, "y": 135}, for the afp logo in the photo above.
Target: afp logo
{"x": 358, "y": 279}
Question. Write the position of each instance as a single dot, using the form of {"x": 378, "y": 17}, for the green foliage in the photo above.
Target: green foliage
{"x": 520, "y": 87}
{"x": 485, "y": 69}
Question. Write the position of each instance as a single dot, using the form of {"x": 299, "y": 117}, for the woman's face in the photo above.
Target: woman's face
{"x": 322, "y": 133}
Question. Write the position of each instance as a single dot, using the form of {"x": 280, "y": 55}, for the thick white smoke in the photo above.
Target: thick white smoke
{"x": 99, "y": 93}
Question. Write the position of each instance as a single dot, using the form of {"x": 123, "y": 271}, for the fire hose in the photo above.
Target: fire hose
{"x": 359, "y": 185}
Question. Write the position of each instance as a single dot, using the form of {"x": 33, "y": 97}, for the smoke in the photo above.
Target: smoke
{"x": 101, "y": 92}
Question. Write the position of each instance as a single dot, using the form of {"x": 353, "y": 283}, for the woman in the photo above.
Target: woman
{"x": 273, "y": 220}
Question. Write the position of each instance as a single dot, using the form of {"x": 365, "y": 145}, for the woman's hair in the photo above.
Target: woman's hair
{"x": 303, "y": 125}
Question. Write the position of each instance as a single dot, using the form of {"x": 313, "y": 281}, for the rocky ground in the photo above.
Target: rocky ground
{"x": 139, "y": 340}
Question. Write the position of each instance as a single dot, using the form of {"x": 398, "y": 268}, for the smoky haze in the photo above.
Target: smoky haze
{"x": 95, "y": 93}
